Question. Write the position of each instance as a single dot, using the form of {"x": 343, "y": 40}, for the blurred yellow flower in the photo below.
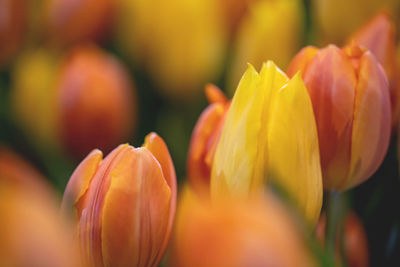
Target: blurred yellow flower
{"x": 270, "y": 134}
{"x": 271, "y": 30}
{"x": 335, "y": 20}
{"x": 181, "y": 43}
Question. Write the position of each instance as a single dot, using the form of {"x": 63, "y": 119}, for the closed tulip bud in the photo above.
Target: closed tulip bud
{"x": 350, "y": 96}
{"x": 124, "y": 204}
{"x": 351, "y": 241}
{"x": 378, "y": 36}
{"x": 271, "y": 30}
{"x": 205, "y": 138}
{"x": 256, "y": 232}
{"x": 94, "y": 90}
{"x": 180, "y": 43}
{"x": 270, "y": 134}
{"x": 68, "y": 22}
{"x": 335, "y": 20}
{"x": 12, "y": 28}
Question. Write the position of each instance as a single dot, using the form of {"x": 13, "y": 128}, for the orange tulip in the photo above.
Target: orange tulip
{"x": 124, "y": 204}
{"x": 95, "y": 101}
{"x": 256, "y": 232}
{"x": 378, "y": 36}
{"x": 12, "y": 28}
{"x": 352, "y": 240}
{"x": 350, "y": 97}
{"x": 205, "y": 138}
{"x": 68, "y": 22}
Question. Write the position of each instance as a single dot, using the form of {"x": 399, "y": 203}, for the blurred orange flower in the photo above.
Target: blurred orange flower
{"x": 205, "y": 138}
{"x": 351, "y": 240}
{"x": 256, "y": 232}
{"x": 350, "y": 97}
{"x": 124, "y": 204}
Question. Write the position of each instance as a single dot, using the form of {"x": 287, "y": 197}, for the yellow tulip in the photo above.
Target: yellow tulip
{"x": 271, "y": 30}
{"x": 181, "y": 43}
{"x": 270, "y": 134}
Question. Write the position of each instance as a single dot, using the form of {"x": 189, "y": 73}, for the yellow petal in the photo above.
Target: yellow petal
{"x": 239, "y": 161}
{"x": 293, "y": 151}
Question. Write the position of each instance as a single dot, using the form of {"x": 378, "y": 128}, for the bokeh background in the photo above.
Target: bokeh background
{"x": 82, "y": 74}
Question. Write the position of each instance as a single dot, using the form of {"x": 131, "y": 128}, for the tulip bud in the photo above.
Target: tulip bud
{"x": 180, "y": 43}
{"x": 271, "y": 30}
{"x": 351, "y": 240}
{"x": 62, "y": 103}
{"x": 378, "y": 36}
{"x": 124, "y": 204}
{"x": 94, "y": 91}
{"x": 12, "y": 28}
{"x": 335, "y": 20}
{"x": 69, "y": 22}
{"x": 350, "y": 96}
{"x": 256, "y": 232}
{"x": 205, "y": 138}
{"x": 270, "y": 135}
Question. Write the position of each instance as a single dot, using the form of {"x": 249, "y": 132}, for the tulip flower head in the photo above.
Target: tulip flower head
{"x": 350, "y": 97}
{"x": 205, "y": 138}
{"x": 256, "y": 232}
{"x": 124, "y": 204}
{"x": 378, "y": 36}
{"x": 270, "y": 134}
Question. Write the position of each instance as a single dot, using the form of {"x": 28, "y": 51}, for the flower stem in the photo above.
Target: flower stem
{"x": 333, "y": 216}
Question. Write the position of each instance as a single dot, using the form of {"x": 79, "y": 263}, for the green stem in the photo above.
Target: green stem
{"x": 333, "y": 217}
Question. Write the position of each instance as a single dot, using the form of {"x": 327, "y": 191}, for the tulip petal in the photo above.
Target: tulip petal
{"x": 198, "y": 170}
{"x": 214, "y": 94}
{"x": 293, "y": 150}
{"x": 372, "y": 107}
{"x": 331, "y": 81}
{"x": 239, "y": 163}
{"x": 79, "y": 181}
{"x": 301, "y": 60}
{"x": 136, "y": 211}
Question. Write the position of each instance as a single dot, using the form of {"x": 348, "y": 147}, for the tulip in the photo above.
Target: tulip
{"x": 205, "y": 138}
{"x": 271, "y": 30}
{"x": 62, "y": 101}
{"x": 233, "y": 12}
{"x": 256, "y": 232}
{"x": 352, "y": 240}
{"x": 32, "y": 232}
{"x": 180, "y": 43}
{"x": 94, "y": 90}
{"x": 350, "y": 96}
{"x": 69, "y": 22}
{"x": 335, "y": 20}
{"x": 12, "y": 28}
{"x": 270, "y": 135}
{"x": 378, "y": 36}
{"x": 124, "y": 204}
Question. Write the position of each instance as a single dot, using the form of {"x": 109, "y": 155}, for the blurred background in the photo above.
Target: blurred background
{"x": 82, "y": 74}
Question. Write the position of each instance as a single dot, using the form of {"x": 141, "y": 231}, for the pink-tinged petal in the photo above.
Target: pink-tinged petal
{"x": 79, "y": 181}
{"x": 372, "y": 117}
{"x": 331, "y": 81}
{"x": 136, "y": 211}
{"x": 91, "y": 207}
{"x": 301, "y": 60}
{"x": 378, "y": 36}
{"x": 159, "y": 149}
{"x": 199, "y": 170}
{"x": 215, "y": 95}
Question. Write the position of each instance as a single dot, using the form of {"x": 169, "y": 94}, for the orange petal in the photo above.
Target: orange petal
{"x": 136, "y": 211}
{"x": 214, "y": 94}
{"x": 372, "y": 116}
{"x": 159, "y": 149}
{"x": 301, "y": 60}
{"x": 331, "y": 81}
{"x": 199, "y": 170}
{"x": 79, "y": 181}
